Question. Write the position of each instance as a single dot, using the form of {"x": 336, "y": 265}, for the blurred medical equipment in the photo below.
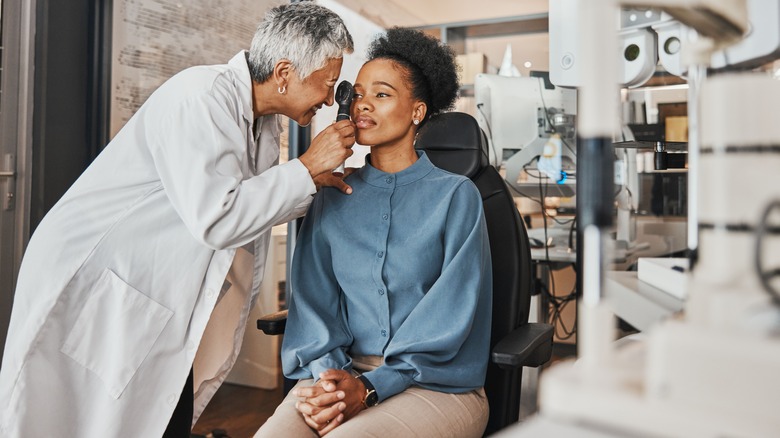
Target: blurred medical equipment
{"x": 529, "y": 122}
{"x": 649, "y": 32}
{"x": 713, "y": 370}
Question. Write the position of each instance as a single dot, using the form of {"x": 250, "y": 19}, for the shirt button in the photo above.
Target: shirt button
{"x": 381, "y": 291}
{"x": 191, "y": 345}
{"x": 384, "y": 333}
{"x": 209, "y": 293}
{"x": 389, "y": 180}
{"x": 172, "y": 400}
{"x": 384, "y": 216}
{"x": 381, "y": 254}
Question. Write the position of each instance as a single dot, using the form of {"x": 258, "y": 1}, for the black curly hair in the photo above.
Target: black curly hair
{"x": 430, "y": 66}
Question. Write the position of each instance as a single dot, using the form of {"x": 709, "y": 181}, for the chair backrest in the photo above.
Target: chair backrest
{"x": 455, "y": 142}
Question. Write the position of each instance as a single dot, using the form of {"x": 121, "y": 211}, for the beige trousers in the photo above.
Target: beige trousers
{"x": 416, "y": 412}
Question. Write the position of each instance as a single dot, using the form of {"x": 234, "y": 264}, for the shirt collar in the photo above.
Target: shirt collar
{"x": 378, "y": 178}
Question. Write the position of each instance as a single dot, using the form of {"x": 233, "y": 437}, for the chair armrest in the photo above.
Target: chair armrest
{"x": 273, "y": 323}
{"x": 529, "y": 345}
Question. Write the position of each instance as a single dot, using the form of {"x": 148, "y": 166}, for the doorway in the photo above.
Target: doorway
{"x": 16, "y": 78}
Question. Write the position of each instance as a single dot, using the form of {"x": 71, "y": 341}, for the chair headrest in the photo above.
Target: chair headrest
{"x": 454, "y": 142}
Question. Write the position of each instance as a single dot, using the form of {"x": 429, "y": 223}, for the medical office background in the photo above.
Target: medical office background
{"x": 74, "y": 72}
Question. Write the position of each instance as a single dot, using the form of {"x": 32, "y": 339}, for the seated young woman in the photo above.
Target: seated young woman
{"x": 389, "y": 316}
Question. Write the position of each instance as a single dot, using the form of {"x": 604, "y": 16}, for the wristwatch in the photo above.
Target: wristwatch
{"x": 371, "y": 398}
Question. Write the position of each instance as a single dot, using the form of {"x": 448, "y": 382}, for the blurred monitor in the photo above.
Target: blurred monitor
{"x": 511, "y": 111}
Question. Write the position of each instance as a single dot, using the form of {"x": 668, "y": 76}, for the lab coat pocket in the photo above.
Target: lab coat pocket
{"x": 115, "y": 331}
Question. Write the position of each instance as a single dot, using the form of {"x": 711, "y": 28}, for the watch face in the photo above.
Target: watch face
{"x": 371, "y": 399}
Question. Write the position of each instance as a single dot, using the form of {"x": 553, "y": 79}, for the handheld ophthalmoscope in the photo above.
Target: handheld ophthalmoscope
{"x": 344, "y": 94}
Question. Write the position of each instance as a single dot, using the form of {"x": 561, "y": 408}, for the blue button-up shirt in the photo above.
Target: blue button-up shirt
{"x": 400, "y": 269}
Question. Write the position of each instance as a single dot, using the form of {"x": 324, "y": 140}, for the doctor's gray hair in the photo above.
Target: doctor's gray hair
{"x": 306, "y": 34}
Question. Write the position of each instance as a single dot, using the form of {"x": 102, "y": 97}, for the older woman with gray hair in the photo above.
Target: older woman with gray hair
{"x": 134, "y": 291}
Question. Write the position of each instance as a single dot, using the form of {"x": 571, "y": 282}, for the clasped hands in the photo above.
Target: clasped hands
{"x": 335, "y": 398}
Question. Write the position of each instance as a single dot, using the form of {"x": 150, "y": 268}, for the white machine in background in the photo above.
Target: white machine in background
{"x": 521, "y": 118}
{"x": 647, "y": 35}
{"x": 711, "y": 372}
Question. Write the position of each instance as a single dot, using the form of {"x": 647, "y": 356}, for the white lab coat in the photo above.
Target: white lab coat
{"x": 121, "y": 277}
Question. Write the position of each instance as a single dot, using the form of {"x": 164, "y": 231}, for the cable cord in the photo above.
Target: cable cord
{"x": 541, "y": 177}
{"x": 556, "y": 303}
{"x": 490, "y": 134}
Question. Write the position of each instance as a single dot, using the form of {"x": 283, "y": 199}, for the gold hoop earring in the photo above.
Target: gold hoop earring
{"x": 282, "y": 89}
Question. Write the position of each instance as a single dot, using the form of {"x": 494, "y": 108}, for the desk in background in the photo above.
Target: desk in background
{"x": 637, "y": 302}
{"x": 655, "y": 237}
{"x": 634, "y": 301}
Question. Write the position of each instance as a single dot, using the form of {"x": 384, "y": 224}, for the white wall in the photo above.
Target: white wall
{"x": 363, "y": 32}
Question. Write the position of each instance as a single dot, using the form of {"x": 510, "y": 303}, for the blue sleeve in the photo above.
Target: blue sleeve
{"x": 316, "y": 336}
{"x": 444, "y": 343}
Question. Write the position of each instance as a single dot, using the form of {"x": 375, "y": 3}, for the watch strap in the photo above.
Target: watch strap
{"x": 366, "y": 383}
{"x": 371, "y": 397}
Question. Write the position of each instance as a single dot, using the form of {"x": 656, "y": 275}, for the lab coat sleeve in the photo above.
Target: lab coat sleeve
{"x": 296, "y": 212}
{"x": 444, "y": 342}
{"x": 316, "y": 336}
{"x": 198, "y": 148}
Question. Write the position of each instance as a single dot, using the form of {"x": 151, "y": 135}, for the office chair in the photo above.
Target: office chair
{"x": 455, "y": 142}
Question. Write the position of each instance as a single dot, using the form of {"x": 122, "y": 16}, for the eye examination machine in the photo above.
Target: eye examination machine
{"x": 709, "y": 370}
{"x": 531, "y": 125}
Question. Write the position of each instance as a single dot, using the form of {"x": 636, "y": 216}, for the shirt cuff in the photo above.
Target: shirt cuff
{"x": 388, "y": 381}
{"x": 325, "y": 363}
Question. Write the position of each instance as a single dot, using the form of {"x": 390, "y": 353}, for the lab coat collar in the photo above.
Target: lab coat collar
{"x": 241, "y": 64}
{"x": 415, "y": 172}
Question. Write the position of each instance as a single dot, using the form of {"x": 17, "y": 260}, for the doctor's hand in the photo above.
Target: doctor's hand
{"x": 328, "y": 179}
{"x": 330, "y": 148}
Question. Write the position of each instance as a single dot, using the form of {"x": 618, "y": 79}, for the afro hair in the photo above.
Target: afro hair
{"x": 430, "y": 65}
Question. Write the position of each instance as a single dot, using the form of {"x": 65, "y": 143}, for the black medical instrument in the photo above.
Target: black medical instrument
{"x": 344, "y": 94}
